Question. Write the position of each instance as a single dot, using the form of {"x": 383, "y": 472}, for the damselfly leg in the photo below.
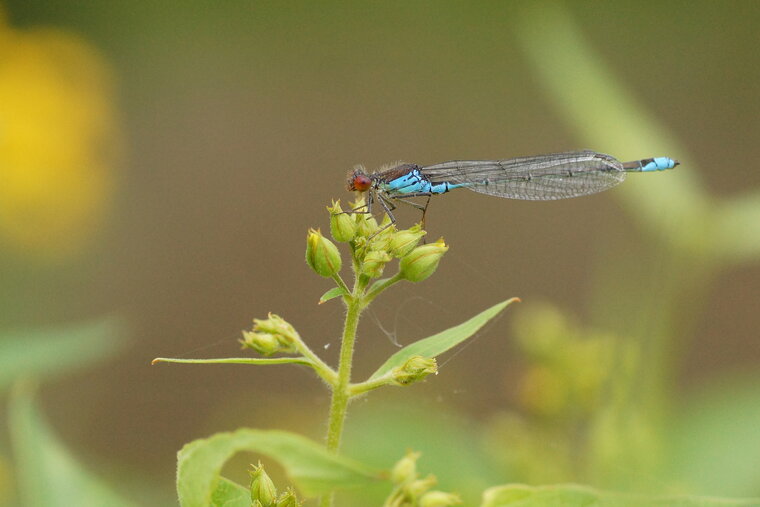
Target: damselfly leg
{"x": 422, "y": 207}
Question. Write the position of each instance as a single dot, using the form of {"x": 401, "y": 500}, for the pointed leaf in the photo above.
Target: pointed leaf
{"x": 573, "y": 495}
{"x": 46, "y": 351}
{"x": 309, "y": 465}
{"x": 230, "y": 494}
{"x": 439, "y": 343}
{"x": 332, "y": 293}
{"x": 48, "y": 475}
{"x": 377, "y": 284}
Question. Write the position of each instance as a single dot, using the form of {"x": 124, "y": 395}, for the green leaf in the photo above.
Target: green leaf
{"x": 572, "y": 495}
{"x": 715, "y": 442}
{"x": 46, "y": 351}
{"x": 48, "y": 476}
{"x": 377, "y": 284}
{"x": 439, "y": 343}
{"x": 332, "y": 293}
{"x": 230, "y": 494}
{"x": 310, "y": 466}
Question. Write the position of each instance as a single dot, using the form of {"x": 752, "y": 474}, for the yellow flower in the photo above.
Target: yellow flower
{"x": 59, "y": 141}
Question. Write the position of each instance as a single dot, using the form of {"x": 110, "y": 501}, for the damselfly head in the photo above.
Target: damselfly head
{"x": 358, "y": 180}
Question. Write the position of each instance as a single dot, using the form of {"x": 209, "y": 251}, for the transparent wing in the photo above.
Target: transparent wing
{"x": 537, "y": 178}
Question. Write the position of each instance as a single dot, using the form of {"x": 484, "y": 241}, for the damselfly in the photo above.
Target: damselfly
{"x": 538, "y": 178}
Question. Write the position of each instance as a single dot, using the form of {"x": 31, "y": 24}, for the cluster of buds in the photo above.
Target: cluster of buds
{"x": 411, "y": 490}
{"x": 373, "y": 244}
{"x": 264, "y": 493}
{"x": 270, "y": 336}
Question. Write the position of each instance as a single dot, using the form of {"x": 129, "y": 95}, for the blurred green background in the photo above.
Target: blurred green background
{"x": 162, "y": 161}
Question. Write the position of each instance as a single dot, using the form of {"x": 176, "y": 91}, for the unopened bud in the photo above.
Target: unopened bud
{"x": 439, "y": 499}
{"x": 366, "y": 225}
{"x": 374, "y": 262}
{"x": 415, "y": 368}
{"x": 271, "y": 335}
{"x": 405, "y": 469}
{"x": 274, "y": 324}
{"x": 422, "y": 262}
{"x": 382, "y": 238}
{"x": 321, "y": 254}
{"x": 418, "y": 487}
{"x": 262, "y": 487}
{"x": 359, "y": 204}
{"x": 264, "y": 344}
{"x": 404, "y": 241}
{"x": 288, "y": 499}
{"x": 342, "y": 225}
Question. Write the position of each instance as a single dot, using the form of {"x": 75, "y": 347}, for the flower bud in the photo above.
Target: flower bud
{"x": 382, "y": 238}
{"x": 417, "y": 488}
{"x": 264, "y": 344}
{"x": 271, "y": 335}
{"x": 415, "y": 368}
{"x": 439, "y": 499}
{"x": 262, "y": 487}
{"x": 422, "y": 262}
{"x": 342, "y": 225}
{"x": 403, "y": 242}
{"x": 288, "y": 499}
{"x": 360, "y": 246}
{"x": 405, "y": 469}
{"x": 321, "y": 254}
{"x": 374, "y": 262}
{"x": 276, "y": 325}
{"x": 359, "y": 203}
{"x": 366, "y": 225}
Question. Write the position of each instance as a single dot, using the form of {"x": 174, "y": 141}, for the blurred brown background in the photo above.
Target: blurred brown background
{"x": 239, "y": 121}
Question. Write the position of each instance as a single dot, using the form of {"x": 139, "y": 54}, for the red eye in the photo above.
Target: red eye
{"x": 359, "y": 182}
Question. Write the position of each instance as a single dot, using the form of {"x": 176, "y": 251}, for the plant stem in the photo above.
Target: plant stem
{"x": 340, "y": 392}
{"x": 236, "y": 360}
{"x": 340, "y": 395}
{"x": 363, "y": 387}
{"x": 320, "y": 367}
{"x": 381, "y": 286}
{"x": 339, "y": 281}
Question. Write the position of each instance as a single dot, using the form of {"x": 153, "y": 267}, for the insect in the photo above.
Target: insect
{"x": 536, "y": 178}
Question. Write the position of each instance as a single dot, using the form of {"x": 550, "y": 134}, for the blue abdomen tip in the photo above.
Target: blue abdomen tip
{"x": 659, "y": 164}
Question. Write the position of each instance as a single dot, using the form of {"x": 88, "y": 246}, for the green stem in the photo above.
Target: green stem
{"x": 320, "y": 367}
{"x": 340, "y": 394}
{"x": 381, "y": 286}
{"x": 339, "y": 281}
{"x": 363, "y": 387}
{"x": 235, "y": 360}
{"x": 342, "y": 389}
